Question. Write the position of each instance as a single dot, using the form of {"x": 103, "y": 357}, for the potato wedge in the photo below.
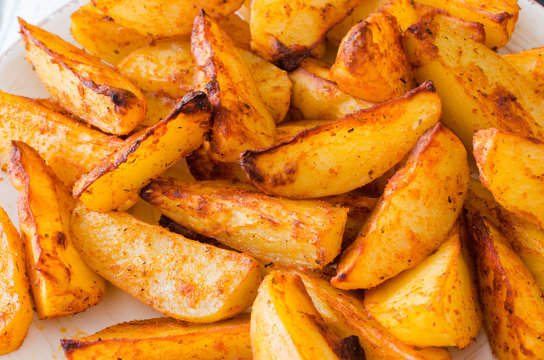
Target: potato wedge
{"x": 176, "y": 276}
{"x": 341, "y": 156}
{"x": 345, "y": 314}
{"x": 432, "y": 304}
{"x": 70, "y": 148}
{"x": 419, "y": 207}
{"x": 371, "y": 64}
{"x": 60, "y": 281}
{"x": 489, "y": 93}
{"x": 159, "y": 106}
{"x": 241, "y": 120}
{"x": 276, "y": 28}
{"x": 80, "y": 82}
{"x": 117, "y": 180}
{"x": 288, "y": 130}
{"x": 530, "y": 64}
{"x": 14, "y": 292}
{"x": 513, "y": 304}
{"x": 165, "y": 338}
{"x": 304, "y": 234}
{"x": 511, "y": 167}
{"x": 286, "y": 325}
{"x": 203, "y": 168}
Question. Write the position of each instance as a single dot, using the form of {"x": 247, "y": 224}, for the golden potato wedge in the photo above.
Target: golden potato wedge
{"x": 164, "y": 18}
{"x": 478, "y": 88}
{"x": 345, "y": 314}
{"x": 276, "y": 32}
{"x": 371, "y": 64}
{"x": 70, "y": 148}
{"x": 497, "y": 17}
{"x": 60, "y": 281}
{"x": 118, "y": 179}
{"x": 238, "y": 30}
{"x": 241, "y": 121}
{"x": 341, "y": 156}
{"x": 103, "y": 37}
{"x": 159, "y": 106}
{"x": 304, "y": 234}
{"x": 511, "y": 167}
{"x": 286, "y": 325}
{"x": 432, "y": 304}
{"x": 419, "y": 207}
{"x": 14, "y": 292}
{"x": 164, "y": 338}
{"x": 81, "y": 83}
{"x": 288, "y": 130}
{"x": 512, "y": 303}
{"x": 530, "y": 64}
{"x": 174, "y": 227}
{"x": 176, "y": 276}
{"x": 203, "y": 168}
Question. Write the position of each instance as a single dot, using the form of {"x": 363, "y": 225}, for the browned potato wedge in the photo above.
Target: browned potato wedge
{"x": 413, "y": 305}
{"x": 345, "y": 314}
{"x": 164, "y": 18}
{"x": 60, "y": 281}
{"x": 419, "y": 207}
{"x": 203, "y": 168}
{"x": 512, "y": 303}
{"x": 490, "y": 93}
{"x": 371, "y": 64}
{"x": 117, "y": 180}
{"x": 165, "y": 338}
{"x": 341, "y": 156}
{"x": 238, "y": 30}
{"x": 14, "y": 293}
{"x": 286, "y": 131}
{"x": 241, "y": 120}
{"x": 511, "y": 167}
{"x": 530, "y": 64}
{"x": 286, "y": 325}
{"x": 179, "y": 277}
{"x": 159, "y": 106}
{"x": 304, "y": 234}
{"x": 276, "y": 32}
{"x": 103, "y": 37}
{"x": 497, "y": 17}
{"x": 80, "y": 82}
{"x": 69, "y": 147}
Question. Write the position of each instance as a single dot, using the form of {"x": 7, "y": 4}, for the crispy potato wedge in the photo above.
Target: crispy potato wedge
{"x": 371, "y": 64}
{"x": 432, "y": 304}
{"x": 70, "y": 148}
{"x": 512, "y": 303}
{"x": 238, "y": 30}
{"x": 341, "y": 156}
{"x": 345, "y": 314}
{"x": 60, "y": 281}
{"x": 530, "y": 64}
{"x": 489, "y": 93}
{"x": 511, "y": 167}
{"x": 118, "y": 179}
{"x": 165, "y": 338}
{"x": 14, "y": 292}
{"x": 304, "y": 234}
{"x": 241, "y": 121}
{"x": 288, "y": 130}
{"x": 103, "y": 37}
{"x": 419, "y": 207}
{"x": 286, "y": 325}
{"x": 497, "y": 17}
{"x": 203, "y": 168}
{"x": 176, "y": 276}
{"x": 81, "y": 83}
{"x": 276, "y": 28}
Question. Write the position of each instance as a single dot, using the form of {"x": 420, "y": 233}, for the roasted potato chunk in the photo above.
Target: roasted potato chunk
{"x": 241, "y": 121}
{"x": 60, "y": 281}
{"x": 117, "y": 180}
{"x": 286, "y": 232}
{"x": 81, "y": 83}
{"x": 530, "y": 64}
{"x": 419, "y": 207}
{"x": 203, "y": 168}
{"x": 511, "y": 167}
{"x": 371, "y": 63}
{"x": 343, "y": 155}
{"x": 512, "y": 303}
{"x": 176, "y": 276}
{"x": 286, "y": 131}
{"x": 159, "y": 106}
{"x": 165, "y": 338}
{"x": 14, "y": 292}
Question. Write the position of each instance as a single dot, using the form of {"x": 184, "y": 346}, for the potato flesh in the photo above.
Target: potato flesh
{"x": 530, "y": 64}
{"x": 176, "y": 276}
{"x": 413, "y": 216}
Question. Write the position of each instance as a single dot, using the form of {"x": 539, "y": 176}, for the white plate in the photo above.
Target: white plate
{"x": 43, "y": 337}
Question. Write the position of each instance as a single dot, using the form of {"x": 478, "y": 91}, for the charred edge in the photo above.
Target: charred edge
{"x": 501, "y": 18}
{"x": 174, "y": 227}
{"x": 193, "y": 102}
{"x": 145, "y": 193}
{"x": 69, "y": 345}
{"x": 340, "y": 277}
{"x": 288, "y": 58}
{"x": 353, "y": 348}
{"x": 61, "y": 239}
{"x": 247, "y": 162}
